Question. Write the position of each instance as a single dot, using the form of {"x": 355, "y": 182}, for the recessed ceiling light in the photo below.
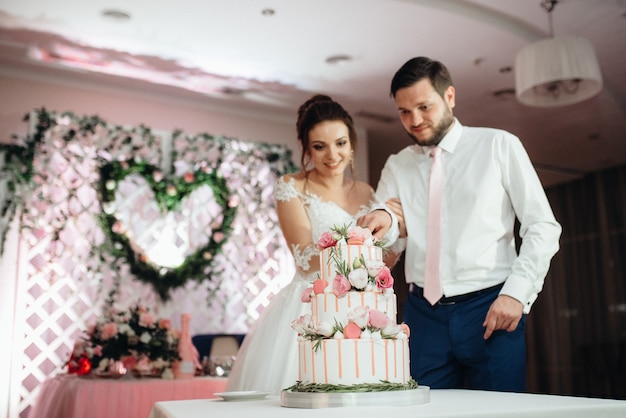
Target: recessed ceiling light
{"x": 338, "y": 59}
{"x": 116, "y": 14}
{"x": 268, "y": 12}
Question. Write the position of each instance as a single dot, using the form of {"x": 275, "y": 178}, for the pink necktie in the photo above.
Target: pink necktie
{"x": 432, "y": 284}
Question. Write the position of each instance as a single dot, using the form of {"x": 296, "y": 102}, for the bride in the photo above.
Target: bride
{"x": 308, "y": 203}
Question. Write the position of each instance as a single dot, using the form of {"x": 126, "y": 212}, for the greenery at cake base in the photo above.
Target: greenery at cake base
{"x": 383, "y": 386}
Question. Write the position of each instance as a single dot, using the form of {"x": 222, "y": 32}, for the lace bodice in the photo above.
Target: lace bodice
{"x": 322, "y": 215}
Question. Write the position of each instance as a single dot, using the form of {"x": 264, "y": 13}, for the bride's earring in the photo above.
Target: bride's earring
{"x": 352, "y": 160}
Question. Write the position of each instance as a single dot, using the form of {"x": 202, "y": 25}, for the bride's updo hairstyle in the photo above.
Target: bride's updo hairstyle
{"x": 321, "y": 108}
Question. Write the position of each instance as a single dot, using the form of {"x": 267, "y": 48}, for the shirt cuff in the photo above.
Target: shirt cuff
{"x": 393, "y": 233}
{"x": 519, "y": 288}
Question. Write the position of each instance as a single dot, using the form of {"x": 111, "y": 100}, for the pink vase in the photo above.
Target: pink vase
{"x": 185, "y": 368}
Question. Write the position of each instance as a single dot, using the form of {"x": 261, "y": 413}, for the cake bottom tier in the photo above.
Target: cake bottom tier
{"x": 353, "y": 361}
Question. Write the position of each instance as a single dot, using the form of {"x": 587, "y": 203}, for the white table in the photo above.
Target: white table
{"x": 443, "y": 403}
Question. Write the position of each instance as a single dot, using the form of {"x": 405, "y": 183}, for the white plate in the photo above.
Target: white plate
{"x": 244, "y": 395}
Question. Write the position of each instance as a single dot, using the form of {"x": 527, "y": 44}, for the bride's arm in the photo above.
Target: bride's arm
{"x": 296, "y": 227}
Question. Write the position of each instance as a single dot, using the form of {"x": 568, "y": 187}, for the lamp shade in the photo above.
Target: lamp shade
{"x": 557, "y": 71}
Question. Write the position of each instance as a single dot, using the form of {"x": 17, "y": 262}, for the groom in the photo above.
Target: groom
{"x": 472, "y": 333}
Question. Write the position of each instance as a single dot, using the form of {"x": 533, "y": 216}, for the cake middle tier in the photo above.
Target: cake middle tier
{"x": 329, "y": 308}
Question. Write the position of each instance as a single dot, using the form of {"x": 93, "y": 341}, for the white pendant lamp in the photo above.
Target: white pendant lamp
{"x": 557, "y": 71}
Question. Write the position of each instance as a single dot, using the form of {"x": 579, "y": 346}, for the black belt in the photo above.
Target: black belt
{"x": 451, "y": 300}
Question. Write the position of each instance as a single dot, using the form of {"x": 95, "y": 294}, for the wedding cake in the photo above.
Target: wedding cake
{"x": 351, "y": 337}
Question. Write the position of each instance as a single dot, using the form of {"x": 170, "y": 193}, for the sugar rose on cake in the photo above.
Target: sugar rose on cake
{"x": 350, "y": 340}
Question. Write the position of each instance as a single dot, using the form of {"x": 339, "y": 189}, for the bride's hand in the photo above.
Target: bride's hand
{"x": 396, "y": 207}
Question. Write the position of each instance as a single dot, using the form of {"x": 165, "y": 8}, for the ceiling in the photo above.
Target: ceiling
{"x": 272, "y": 55}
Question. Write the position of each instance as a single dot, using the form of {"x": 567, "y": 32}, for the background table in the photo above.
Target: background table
{"x": 70, "y": 396}
{"x": 443, "y": 403}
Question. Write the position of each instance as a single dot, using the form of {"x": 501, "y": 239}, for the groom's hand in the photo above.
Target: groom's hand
{"x": 378, "y": 221}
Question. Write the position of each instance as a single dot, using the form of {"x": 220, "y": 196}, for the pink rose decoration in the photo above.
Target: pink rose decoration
{"x": 109, "y": 330}
{"x": 146, "y": 320}
{"x": 165, "y": 324}
{"x": 352, "y": 331}
{"x": 326, "y": 240}
{"x": 378, "y": 319}
{"x": 319, "y": 286}
{"x": 341, "y": 285}
{"x": 358, "y": 235}
{"x": 307, "y": 295}
{"x": 384, "y": 280}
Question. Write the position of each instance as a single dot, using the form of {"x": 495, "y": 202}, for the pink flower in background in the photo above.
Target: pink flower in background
{"x": 117, "y": 227}
{"x": 157, "y": 175}
{"x": 165, "y": 323}
{"x": 378, "y": 319}
{"x": 341, "y": 285}
{"x": 326, "y": 240}
{"x": 129, "y": 362}
{"x": 189, "y": 177}
{"x": 233, "y": 201}
{"x": 146, "y": 320}
{"x": 171, "y": 190}
{"x": 97, "y": 350}
{"x": 384, "y": 280}
{"x": 352, "y": 331}
{"x": 218, "y": 237}
{"x": 109, "y": 330}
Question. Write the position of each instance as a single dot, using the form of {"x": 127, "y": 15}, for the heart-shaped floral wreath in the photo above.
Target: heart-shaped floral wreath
{"x": 169, "y": 192}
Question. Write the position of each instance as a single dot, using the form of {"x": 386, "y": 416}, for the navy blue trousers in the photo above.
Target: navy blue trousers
{"x": 448, "y": 350}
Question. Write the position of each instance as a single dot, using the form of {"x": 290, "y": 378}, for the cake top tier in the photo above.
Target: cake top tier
{"x": 348, "y": 235}
{"x": 351, "y": 259}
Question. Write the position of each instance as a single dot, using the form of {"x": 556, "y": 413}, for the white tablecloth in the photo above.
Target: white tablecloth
{"x": 443, "y": 403}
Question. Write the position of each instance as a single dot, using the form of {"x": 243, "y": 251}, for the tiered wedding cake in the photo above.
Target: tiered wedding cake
{"x": 351, "y": 336}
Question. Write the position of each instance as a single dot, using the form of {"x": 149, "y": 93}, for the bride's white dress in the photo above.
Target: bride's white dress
{"x": 268, "y": 359}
